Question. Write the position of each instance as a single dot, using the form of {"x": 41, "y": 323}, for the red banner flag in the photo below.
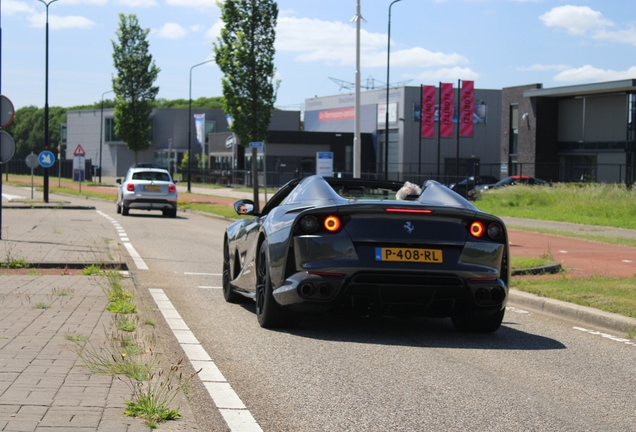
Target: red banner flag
{"x": 428, "y": 111}
{"x": 466, "y": 109}
{"x": 446, "y": 111}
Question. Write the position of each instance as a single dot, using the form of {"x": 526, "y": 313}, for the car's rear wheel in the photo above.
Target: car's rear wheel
{"x": 229, "y": 295}
{"x": 118, "y": 209}
{"x": 487, "y": 324}
{"x": 173, "y": 213}
{"x": 124, "y": 210}
{"x": 269, "y": 313}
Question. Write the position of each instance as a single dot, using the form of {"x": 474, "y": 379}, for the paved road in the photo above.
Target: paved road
{"x": 339, "y": 374}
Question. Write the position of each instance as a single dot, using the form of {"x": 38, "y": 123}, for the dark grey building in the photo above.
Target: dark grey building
{"x": 94, "y": 131}
{"x": 574, "y": 133}
{"x": 410, "y": 157}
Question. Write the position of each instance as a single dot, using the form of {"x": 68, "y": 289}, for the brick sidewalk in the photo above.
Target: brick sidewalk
{"x": 44, "y": 385}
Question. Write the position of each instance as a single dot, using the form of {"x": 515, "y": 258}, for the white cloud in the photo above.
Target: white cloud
{"x": 82, "y": 2}
{"x": 622, "y": 36}
{"x": 420, "y": 57}
{"x": 193, "y": 3}
{"x": 334, "y": 43}
{"x": 57, "y": 22}
{"x": 137, "y": 3}
{"x": 170, "y": 31}
{"x": 575, "y": 19}
{"x": 446, "y": 74}
{"x": 12, "y": 7}
{"x": 542, "y": 68}
{"x": 215, "y": 31}
{"x": 590, "y": 73}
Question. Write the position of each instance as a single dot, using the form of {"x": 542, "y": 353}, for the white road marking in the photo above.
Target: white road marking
{"x": 514, "y": 309}
{"x": 607, "y": 336}
{"x": 202, "y": 274}
{"x": 233, "y": 410}
{"x": 563, "y": 251}
{"x": 139, "y": 261}
{"x": 627, "y": 261}
{"x": 11, "y": 197}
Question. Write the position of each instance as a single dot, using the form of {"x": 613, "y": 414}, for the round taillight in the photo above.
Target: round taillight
{"x": 332, "y": 223}
{"x": 477, "y": 229}
{"x": 494, "y": 231}
{"x": 309, "y": 224}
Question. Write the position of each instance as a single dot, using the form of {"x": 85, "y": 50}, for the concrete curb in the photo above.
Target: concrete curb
{"x": 551, "y": 268}
{"x": 583, "y": 315}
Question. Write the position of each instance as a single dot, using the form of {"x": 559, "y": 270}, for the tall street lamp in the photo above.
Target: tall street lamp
{"x": 101, "y": 134}
{"x": 46, "y": 101}
{"x": 386, "y": 118}
{"x": 190, "y": 125}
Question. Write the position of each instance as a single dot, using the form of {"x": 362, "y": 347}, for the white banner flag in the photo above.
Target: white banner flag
{"x": 199, "y": 127}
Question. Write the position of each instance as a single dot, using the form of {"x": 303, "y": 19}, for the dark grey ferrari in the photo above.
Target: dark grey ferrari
{"x": 321, "y": 244}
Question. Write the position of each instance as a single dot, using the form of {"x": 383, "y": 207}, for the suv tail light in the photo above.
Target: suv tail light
{"x": 172, "y": 188}
{"x": 130, "y": 187}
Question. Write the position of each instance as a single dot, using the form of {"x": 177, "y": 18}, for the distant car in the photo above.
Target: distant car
{"x": 471, "y": 182}
{"x": 147, "y": 189}
{"x": 508, "y": 181}
{"x": 325, "y": 244}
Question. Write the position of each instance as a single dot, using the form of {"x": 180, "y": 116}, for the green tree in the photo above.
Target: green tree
{"x": 245, "y": 54}
{"x": 133, "y": 86}
{"x": 27, "y": 129}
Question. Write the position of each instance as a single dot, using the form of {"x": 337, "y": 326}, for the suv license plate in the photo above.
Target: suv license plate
{"x": 152, "y": 188}
{"x": 433, "y": 256}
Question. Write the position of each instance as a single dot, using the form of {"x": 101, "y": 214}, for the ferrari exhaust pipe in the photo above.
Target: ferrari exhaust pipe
{"x": 497, "y": 295}
{"x": 307, "y": 290}
{"x": 482, "y": 295}
{"x": 324, "y": 290}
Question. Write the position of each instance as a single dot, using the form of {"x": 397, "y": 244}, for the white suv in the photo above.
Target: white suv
{"x": 147, "y": 189}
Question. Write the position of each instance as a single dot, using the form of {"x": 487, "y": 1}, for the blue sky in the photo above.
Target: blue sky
{"x": 496, "y": 43}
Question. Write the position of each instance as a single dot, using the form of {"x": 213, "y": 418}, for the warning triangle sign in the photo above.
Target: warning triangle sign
{"x": 79, "y": 151}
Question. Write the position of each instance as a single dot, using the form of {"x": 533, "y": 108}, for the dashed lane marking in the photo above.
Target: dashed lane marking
{"x": 202, "y": 274}
{"x": 233, "y": 410}
{"x": 514, "y": 309}
{"x": 607, "y": 336}
{"x": 139, "y": 262}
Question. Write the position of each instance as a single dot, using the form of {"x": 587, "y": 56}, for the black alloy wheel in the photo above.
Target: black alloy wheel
{"x": 269, "y": 313}
{"x": 229, "y": 294}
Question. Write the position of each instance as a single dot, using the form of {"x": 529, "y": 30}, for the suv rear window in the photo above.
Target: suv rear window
{"x": 151, "y": 175}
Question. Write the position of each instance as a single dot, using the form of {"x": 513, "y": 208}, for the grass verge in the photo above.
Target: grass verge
{"x": 616, "y": 295}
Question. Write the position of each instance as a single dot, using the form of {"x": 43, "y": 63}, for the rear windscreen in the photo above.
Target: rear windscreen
{"x": 150, "y": 175}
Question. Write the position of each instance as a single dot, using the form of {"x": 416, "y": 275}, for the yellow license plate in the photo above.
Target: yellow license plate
{"x": 433, "y": 256}
{"x": 153, "y": 188}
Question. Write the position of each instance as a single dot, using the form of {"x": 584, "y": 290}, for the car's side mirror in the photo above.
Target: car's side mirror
{"x": 244, "y": 207}
{"x": 118, "y": 181}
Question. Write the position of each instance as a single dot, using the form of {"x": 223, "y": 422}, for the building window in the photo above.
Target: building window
{"x": 109, "y": 130}
{"x": 513, "y": 144}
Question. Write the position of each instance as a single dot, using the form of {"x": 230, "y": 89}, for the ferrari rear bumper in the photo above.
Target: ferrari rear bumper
{"x": 432, "y": 294}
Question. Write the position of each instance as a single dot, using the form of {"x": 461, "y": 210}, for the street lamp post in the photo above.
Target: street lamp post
{"x": 190, "y": 125}
{"x": 386, "y": 117}
{"x": 101, "y": 134}
{"x": 46, "y": 101}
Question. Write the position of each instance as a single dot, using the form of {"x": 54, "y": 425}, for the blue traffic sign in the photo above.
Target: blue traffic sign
{"x": 257, "y": 144}
{"x": 46, "y": 159}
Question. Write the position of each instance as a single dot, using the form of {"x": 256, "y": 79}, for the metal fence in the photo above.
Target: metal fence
{"x": 60, "y": 168}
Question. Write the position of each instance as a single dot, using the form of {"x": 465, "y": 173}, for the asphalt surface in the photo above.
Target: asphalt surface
{"x": 44, "y": 385}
